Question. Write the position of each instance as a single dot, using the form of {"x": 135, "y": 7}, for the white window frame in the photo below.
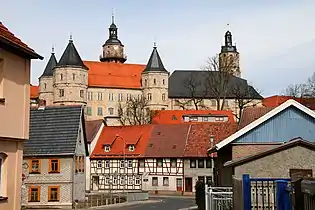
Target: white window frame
{"x": 99, "y": 164}
{"x": 107, "y": 164}
{"x": 107, "y": 180}
{"x": 107, "y": 148}
{"x": 137, "y": 181}
{"x": 130, "y": 180}
{"x": 114, "y": 180}
{"x": 122, "y": 180}
{"x": 122, "y": 164}
{"x": 99, "y": 96}
{"x": 130, "y": 163}
{"x": 131, "y": 148}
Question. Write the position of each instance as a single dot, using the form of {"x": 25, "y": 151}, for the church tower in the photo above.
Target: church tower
{"x": 113, "y": 49}
{"x": 46, "y": 80}
{"x": 154, "y": 81}
{"x": 229, "y": 56}
{"x": 70, "y": 78}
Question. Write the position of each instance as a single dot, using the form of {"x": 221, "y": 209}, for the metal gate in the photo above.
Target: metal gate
{"x": 218, "y": 198}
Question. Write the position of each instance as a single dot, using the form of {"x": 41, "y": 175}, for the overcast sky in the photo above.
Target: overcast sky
{"x": 276, "y": 39}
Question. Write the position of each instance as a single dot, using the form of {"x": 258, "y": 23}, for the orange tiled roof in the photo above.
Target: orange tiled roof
{"x": 115, "y": 75}
{"x": 198, "y": 141}
{"x": 274, "y": 101}
{"x": 176, "y": 116}
{"x": 34, "y": 91}
{"x": 119, "y": 137}
{"x": 9, "y": 37}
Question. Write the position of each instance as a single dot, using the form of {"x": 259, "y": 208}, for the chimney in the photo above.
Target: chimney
{"x": 41, "y": 104}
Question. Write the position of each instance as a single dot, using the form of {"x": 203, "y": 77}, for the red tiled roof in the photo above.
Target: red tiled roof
{"x": 199, "y": 142}
{"x": 274, "y": 101}
{"x": 91, "y": 128}
{"x": 167, "y": 140}
{"x": 9, "y": 38}
{"x": 250, "y": 114}
{"x": 176, "y": 116}
{"x": 114, "y": 75}
{"x": 34, "y": 91}
{"x": 119, "y": 137}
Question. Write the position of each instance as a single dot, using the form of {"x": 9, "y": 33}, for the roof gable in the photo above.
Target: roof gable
{"x": 54, "y": 130}
{"x": 250, "y": 114}
{"x": 264, "y": 118}
{"x": 155, "y": 63}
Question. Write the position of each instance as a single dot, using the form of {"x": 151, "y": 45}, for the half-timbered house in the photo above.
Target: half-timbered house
{"x": 198, "y": 165}
{"x": 53, "y": 159}
{"x": 114, "y": 160}
{"x": 162, "y": 168}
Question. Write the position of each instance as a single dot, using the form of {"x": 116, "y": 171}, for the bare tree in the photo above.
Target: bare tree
{"x": 297, "y": 90}
{"x": 196, "y": 90}
{"x": 244, "y": 97}
{"x": 183, "y": 103}
{"x": 217, "y": 84}
{"x": 135, "y": 111}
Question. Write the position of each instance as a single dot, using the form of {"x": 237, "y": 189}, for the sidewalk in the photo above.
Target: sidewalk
{"x": 190, "y": 208}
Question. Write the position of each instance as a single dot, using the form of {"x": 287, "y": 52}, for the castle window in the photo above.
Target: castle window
{"x": 111, "y": 96}
{"x": 145, "y": 82}
{"x": 82, "y": 93}
{"x": 45, "y": 86}
{"x": 149, "y": 96}
{"x": 100, "y": 96}
{"x": 73, "y": 76}
{"x": 111, "y": 111}
{"x": 163, "y": 81}
{"x": 61, "y": 92}
{"x": 154, "y": 81}
{"x": 163, "y": 96}
{"x": 99, "y": 111}
{"x": 61, "y": 76}
{"x": 90, "y": 96}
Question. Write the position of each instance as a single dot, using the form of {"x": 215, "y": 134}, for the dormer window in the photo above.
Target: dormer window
{"x": 107, "y": 148}
{"x": 131, "y": 148}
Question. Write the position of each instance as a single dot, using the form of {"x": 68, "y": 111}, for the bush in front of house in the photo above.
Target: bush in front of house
{"x": 200, "y": 195}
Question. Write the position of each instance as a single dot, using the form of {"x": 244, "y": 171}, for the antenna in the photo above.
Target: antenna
{"x": 154, "y": 42}
{"x": 113, "y": 15}
{"x": 52, "y": 49}
{"x": 70, "y": 36}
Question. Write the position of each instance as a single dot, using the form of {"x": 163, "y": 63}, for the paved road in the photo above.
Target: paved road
{"x": 163, "y": 203}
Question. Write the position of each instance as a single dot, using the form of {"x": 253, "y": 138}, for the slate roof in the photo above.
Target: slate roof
{"x": 7, "y": 38}
{"x": 52, "y": 62}
{"x": 155, "y": 63}
{"x": 167, "y": 141}
{"x": 54, "y": 130}
{"x": 180, "y": 79}
{"x": 71, "y": 57}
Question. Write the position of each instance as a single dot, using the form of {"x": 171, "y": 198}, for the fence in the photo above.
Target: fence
{"x": 100, "y": 199}
{"x": 218, "y": 198}
{"x": 303, "y": 194}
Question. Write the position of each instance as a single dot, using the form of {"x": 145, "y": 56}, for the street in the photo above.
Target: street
{"x": 162, "y": 203}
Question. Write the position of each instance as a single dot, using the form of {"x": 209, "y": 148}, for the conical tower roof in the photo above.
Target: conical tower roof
{"x": 71, "y": 57}
{"x": 48, "y": 72}
{"x": 155, "y": 63}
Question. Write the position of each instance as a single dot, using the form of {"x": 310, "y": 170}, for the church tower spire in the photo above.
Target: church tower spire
{"x": 113, "y": 49}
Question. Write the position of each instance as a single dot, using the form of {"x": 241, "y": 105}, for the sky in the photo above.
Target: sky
{"x": 275, "y": 39}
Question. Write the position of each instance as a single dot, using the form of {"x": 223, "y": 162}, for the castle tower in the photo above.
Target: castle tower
{"x": 70, "y": 78}
{"x": 46, "y": 80}
{"x": 155, "y": 82}
{"x": 113, "y": 49}
{"x": 229, "y": 57}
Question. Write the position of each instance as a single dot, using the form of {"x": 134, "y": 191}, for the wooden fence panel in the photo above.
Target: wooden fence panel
{"x": 237, "y": 194}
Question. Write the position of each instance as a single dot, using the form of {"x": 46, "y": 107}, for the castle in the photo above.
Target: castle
{"x": 102, "y": 85}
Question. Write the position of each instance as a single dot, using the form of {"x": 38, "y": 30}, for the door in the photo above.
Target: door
{"x": 188, "y": 184}
{"x": 95, "y": 182}
{"x": 179, "y": 184}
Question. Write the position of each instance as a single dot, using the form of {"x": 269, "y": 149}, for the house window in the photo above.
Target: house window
{"x": 122, "y": 180}
{"x": 54, "y": 193}
{"x": 193, "y": 118}
{"x": 61, "y": 77}
{"x": 213, "y": 102}
{"x": 107, "y": 164}
{"x": 209, "y": 163}
{"x": 107, "y": 180}
{"x": 34, "y": 194}
{"x": 61, "y": 92}
{"x": 173, "y": 163}
{"x": 141, "y": 163}
{"x": 35, "y": 166}
{"x": 122, "y": 164}
{"x": 131, "y": 148}
{"x": 201, "y": 163}
{"x": 130, "y": 180}
{"x": 89, "y": 111}
{"x": 129, "y": 163}
{"x": 81, "y": 93}
{"x": 120, "y": 96}
{"x": 205, "y": 119}
{"x": 159, "y": 162}
{"x": 209, "y": 180}
{"x": 111, "y": 111}
{"x": 149, "y": 96}
{"x": 137, "y": 181}
{"x": 99, "y": 164}
{"x": 54, "y": 166}
{"x": 115, "y": 180}
{"x": 155, "y": 181}
{"x": 128, "y": 96}
{"x": 100, "y": 96}
{"x": 165, "y": 181}
{"x": 107, "y": 148}
{"x": 99, "y": 111}
{"x": 192, "y": 163}
{"x": 73, "y": 76}
{"x": 163, "y": 97}
{"x": 90, "y": 96}
{"x": 111, "y": 96}
{"x": 154, "y": 81}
